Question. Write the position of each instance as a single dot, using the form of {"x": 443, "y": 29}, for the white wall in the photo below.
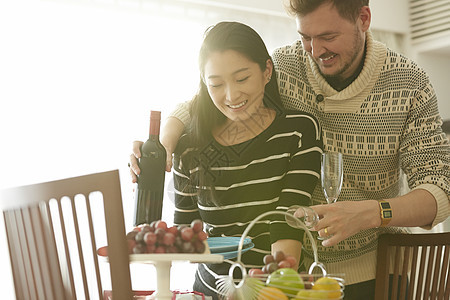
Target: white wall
{"x": 438, "y": 66}
{"x": 390, "y": 15}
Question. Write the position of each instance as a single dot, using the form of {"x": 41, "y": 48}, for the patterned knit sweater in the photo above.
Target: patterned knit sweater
{"x": 386, "y": 120}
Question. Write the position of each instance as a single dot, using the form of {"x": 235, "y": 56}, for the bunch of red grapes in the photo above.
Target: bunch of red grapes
{"x": 274, "y": 262}
{"x": 158, "y": 238}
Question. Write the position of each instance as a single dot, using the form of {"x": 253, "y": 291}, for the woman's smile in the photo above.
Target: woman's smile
{"x": 237, "y": 106}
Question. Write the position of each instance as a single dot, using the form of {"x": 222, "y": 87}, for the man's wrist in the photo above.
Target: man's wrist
{"x": 385, "y": 212}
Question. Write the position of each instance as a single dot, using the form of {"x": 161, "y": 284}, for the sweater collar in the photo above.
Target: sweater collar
{"x": 374, "y": 57}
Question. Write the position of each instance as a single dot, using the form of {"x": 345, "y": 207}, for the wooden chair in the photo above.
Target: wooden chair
{"x": 53, "y": 231}
{"x": 418, "y": 263}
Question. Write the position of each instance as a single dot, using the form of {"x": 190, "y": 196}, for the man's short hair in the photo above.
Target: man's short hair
{"x": 347, "y": 9}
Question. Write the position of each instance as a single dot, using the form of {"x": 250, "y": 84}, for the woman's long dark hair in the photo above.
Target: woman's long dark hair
{"x": 221, "y": 37}
{"x": 204, "y": 114}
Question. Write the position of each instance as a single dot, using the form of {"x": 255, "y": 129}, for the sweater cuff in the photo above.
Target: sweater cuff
{"x": 181, "y": 112}
{"x": 442, "y": 202}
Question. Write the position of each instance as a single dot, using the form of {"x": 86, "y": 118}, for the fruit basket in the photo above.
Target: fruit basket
{"x": 284, "y": 283}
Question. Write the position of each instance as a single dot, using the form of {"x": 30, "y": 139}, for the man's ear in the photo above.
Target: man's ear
{"x": 365, "y": 17}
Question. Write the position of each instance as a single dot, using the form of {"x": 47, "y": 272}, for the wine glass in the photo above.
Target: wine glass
{"x": 331, "y": 174}
{"x": 308, "y": 217}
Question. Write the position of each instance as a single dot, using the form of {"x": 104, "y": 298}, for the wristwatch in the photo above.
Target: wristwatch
{"x": 386, "y": 212}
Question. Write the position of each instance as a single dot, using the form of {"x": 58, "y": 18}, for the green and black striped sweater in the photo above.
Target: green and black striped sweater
{"x": 273, "y": 171}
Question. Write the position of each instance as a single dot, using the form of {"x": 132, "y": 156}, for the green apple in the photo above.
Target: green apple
{"x": 287, "y": 280}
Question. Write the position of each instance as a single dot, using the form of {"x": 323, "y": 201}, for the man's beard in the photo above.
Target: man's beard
{"x": 338, "y": 77}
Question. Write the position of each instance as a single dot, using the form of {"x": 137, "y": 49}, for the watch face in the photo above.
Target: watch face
{"x": 387, "y": 214}
{"x": 385, "y": 205}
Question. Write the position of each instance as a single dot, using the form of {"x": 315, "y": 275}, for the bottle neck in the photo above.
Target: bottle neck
{"x": 154, "y": 128}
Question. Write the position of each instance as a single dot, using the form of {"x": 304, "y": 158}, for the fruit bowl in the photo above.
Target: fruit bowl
{"x": 283, "y": 283}
{"x": 161, "y": 246}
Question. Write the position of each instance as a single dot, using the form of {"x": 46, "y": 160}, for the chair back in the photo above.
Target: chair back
{"x": 53, "y": 231}
{"x": 419, "y": 265}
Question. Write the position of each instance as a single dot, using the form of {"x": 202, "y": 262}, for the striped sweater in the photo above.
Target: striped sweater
{"x": 386, "y": 120}
{"x": 277, "y": 169}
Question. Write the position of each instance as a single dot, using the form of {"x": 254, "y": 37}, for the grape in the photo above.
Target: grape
{"x": 150, "y": 238}
{"x": 202, "y": 236}
{"x": 161, "y": 224}
{"x": 131, "y": 235}
{"x": 199, "y": 246}
{"x": 255, "y": 272}
{"x": 307, "y": 280}
{"x": 139, "y": 237}
{"x": 151, "y": 248}
{"x": 284, "y": 264}
{"x": 187, "y": 247}
{"x": 169, "y": 239}
{"x": 180, "y": 227}
{"x": 278, "y": 256}
{"x": 173, "y": 230}
{"x": 153, "y": 224}
{"x": 172, "y": 249}
{"x": 139, "y": 249}
{"x": 178, "y": 242}
{"x": 291, "y": 260}
{"x": 147, "y": 228}
{"x": 160, "y": 249}
{"x": 268, "y": 259}
{"x": 187, "y": 234}
{"x": 131, "y": 245}
{"x": 272, "y": 267}
{"x": 157, "y": 237}
{"x": 197, "y": 225}
{"x": 160, "y": 234}
{"x": 277, "y": 261}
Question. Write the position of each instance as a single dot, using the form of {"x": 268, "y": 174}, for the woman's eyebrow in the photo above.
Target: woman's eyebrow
{"x": 234, "y": 73}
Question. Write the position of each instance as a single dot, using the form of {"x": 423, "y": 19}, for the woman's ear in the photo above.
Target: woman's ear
{"x": 268, "y": 71}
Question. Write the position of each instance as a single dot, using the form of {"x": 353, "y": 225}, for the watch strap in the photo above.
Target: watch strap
{"x": 385, "y": 212}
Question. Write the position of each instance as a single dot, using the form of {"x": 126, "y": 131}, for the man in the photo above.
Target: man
{"x": 379, "y": 109}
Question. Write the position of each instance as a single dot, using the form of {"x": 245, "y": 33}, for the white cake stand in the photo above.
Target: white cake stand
{"x": 163, "y": 263}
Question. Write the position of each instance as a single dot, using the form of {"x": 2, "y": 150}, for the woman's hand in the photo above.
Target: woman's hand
{"x": 341, "y": 220}
{"x": 136, "y": 154}
{"x": 170, "y": 133}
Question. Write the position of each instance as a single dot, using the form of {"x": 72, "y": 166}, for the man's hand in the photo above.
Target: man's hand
{"x": 134, "y": 156}
{"x": 341, "y": 220}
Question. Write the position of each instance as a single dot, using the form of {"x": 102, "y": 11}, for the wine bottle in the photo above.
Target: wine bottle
{"x": 150, "y": 184}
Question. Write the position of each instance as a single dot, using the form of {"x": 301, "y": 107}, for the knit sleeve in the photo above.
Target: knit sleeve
{"x": 181, "y": 112}
{"x": 425, "y": 151}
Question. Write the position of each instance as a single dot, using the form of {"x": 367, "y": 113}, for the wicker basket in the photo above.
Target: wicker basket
{"x": 317, "y": 283}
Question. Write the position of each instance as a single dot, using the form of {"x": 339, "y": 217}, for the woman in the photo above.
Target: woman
{"x": 242, "y": 154}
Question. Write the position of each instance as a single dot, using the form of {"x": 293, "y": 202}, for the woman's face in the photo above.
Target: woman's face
{"x": 236, "y": 84}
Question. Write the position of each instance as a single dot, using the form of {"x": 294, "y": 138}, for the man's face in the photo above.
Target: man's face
{"x": 336, "y": 44}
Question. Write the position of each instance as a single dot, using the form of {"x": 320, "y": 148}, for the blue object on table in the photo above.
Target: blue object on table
{"x": 228, "y": 246}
